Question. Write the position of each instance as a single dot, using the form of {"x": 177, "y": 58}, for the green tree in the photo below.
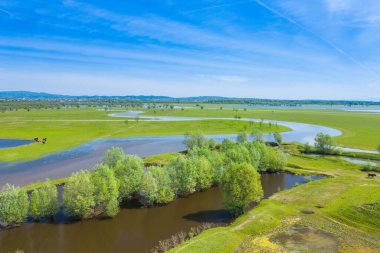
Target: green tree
{"x": 112, "y": 156}
{"x": 148, "y": 189}
{"x": 263, "y": 151}
{"x": 242, "y": 137}
{"x": 129, "y": 171}
{"x": 212, "y": 143}
{"x": 238, "y": 154}
{"x": 324, "y": 143}
{"x": 44, "y": 201}
{"x": 183, "y": 176}
{"x": 307, "y": 148}
{"x": 277, "y": 138}
{"x": 240, "y": 185}
{"x": 196, "y": 139}
{"x": 257, "y": 136}
{"x": 277, "y": 160}
{"x": 13, "y": 205}
{"x": 164, "y": 192}
{"x": 227, "y": 144}
{"x": 106, "y": 193}
{"x": 78, "y": 195}
{"x": 205, "y": 172}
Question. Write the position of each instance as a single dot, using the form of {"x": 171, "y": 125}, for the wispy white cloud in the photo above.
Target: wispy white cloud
{"x": 285, "y": 47}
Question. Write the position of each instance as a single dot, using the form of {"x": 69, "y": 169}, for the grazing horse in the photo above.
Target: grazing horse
{"x": 36, "y": 139}
{"x": 371, "y": 175}
{"x": 44, "y": 140}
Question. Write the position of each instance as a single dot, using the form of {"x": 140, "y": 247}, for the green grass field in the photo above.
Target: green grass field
{"x": 346, "y": 215}
{"x": 67, "y": 128}
{"x": 360, "y": 130}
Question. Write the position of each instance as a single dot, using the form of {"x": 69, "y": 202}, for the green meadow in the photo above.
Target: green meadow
{"x": 67, "y": 128}
{"x": 340, "y": 211}
{"x": 360, "y": 129}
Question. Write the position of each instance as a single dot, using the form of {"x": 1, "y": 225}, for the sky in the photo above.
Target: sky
{"x": 282, "y": 49}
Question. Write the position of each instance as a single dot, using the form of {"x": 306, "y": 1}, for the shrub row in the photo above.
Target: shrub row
{"x": 119, "y": 177}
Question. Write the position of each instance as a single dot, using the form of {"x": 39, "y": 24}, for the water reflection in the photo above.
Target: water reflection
{"x": 134, "y": 229}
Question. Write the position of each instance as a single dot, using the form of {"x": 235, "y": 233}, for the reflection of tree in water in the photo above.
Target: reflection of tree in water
{"x": 273, "y": 182}
{"x": 210, "y": 216}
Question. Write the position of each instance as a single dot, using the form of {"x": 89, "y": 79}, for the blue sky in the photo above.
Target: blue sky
{"x": 288, "y": 49}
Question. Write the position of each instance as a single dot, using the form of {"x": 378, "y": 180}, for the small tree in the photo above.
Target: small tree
{"x": 212, "y": 143}
{"x": 129, "y": 171}
{"x": 183, "y": 175}
{"x": 112, "y": 156}
{"x": 242, "y": 137}
{"x": 205, "y": 172}
{"x": 106, "y": 191}
{"x": 257, "y": 136}
{"x": 13, "y": 205}
{"x": 277, "y": 160}
{"x": 193, "y": 140}
{"x": 307, "y": 148}
{"x": 164, "y": 191}
{"x": 324, "y": 143}
{"x": 44, "y": 201}
{"x": 78, "y": 195}
{"x": 241, "y": 185}
{"x": 148, "y": 189}
{"x": 278, "y": 138}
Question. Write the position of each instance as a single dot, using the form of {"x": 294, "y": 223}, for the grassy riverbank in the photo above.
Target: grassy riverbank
{"x": 67, "y": 128}
{"x": 360, "y": 129}
{"x": 335, "y": 214}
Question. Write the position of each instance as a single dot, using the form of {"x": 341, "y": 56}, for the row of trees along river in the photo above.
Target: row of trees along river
{"x": 235, "y": 166}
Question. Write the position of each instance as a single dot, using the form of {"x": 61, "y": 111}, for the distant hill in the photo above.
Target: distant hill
{"x": 27, "y": 95}
{"x": 43, "y": 95}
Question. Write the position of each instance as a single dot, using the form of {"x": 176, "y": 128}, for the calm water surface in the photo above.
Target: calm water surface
{"x": 133, "y": 229}
{"x": 10, "y": 143}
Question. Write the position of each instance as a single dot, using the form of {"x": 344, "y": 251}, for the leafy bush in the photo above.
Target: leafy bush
{"x": 106, "y": 193}
{"x": 241, "y": 185}
{"x": 205, "y": 173}
{"x": 44, "y": 201}
{"x": 276, "y": 160}
{"x": 164, "y": 191}
{"x": 212, "y": 143}
{"x": 112, "y": 156}
{"x": 257, "y": 136}
{"x": 277, "y": 138}
{"x": 183, "y": 175}
{"x": 242, "y": 137}
{"x": 13, "y": 205}
{"x": 238, "y": 154}
{"x": 196, "y": 139}
{"x": 78, "y": 195}
{"x": 148, "y": 189}
{"x": 129, "y": 171}
{"x": 324, "y": 143}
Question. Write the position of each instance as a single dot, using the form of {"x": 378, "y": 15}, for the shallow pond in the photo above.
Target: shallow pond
{"x": 360, "y": 162}
{"x": 10, "y": 143}
{"x": 134, "y": 229}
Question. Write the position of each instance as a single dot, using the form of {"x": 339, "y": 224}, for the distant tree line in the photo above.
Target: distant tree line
{"x": 235, "y": 166}
{"x": 39, "y": 104}
{"x": 11, "y": 104}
